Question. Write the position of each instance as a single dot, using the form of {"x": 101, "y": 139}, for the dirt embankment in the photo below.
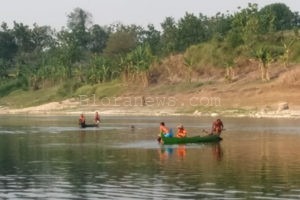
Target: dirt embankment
{"x": 177, "y": 90}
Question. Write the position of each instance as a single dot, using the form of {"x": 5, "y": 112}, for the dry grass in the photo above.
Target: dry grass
{"x": 290, "y": 77}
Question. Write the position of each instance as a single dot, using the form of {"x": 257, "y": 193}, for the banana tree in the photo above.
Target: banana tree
{"x": 264, "y": 57}
{"x": 137, "y": 63}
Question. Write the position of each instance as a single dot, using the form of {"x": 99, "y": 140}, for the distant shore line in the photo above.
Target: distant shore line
{"x": 286, "y": 114}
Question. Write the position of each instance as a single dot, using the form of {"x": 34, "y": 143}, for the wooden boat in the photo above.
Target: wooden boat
{"x": 88, "y": 125}
{"x": 194, "y": 139}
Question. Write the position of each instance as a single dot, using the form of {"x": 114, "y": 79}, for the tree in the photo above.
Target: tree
{"x": 8, "y": 47}
{"x": 278, "y": 16}
{"x": 79, "y": 22}
{"x": 264, "y": 58}
{"x": 68, "y": 52}
{"x": 23, "y": 37}
{"x": 219, "y": 25}
{"x": 136, "y": 64}
{"x": 266, "y": 55}
{"x": 246, "y": 24}
{"x": 42, "y": 38}
{"x": 191, "y": 30}
{"x": 152, "y": 37}
{"x": 169, "y": 35}
{"x": 122, "y": 41}
{"x": 288, "y": 43}
{"x": 98, "y": 39}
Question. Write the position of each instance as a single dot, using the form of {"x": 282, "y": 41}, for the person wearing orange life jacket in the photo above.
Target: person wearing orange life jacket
{"x": 181, "y": 132}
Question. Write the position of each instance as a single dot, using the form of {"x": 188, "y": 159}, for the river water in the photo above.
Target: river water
{"x": 49, "y": 157}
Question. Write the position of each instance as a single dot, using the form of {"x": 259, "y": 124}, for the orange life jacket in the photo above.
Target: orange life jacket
{"x": 181, "y": 133}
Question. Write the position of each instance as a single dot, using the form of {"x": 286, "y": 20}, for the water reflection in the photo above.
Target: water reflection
{"x": 217, "y": 151}
{"x": 181, "y": 150}
{"x": 52, "y": 159}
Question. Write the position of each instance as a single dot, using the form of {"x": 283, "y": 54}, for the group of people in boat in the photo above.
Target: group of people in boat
{"x": 82, "y": 121}
{"x": 216, "y": 129}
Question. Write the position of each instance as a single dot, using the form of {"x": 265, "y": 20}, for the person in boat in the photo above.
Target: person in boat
{"x": 81, "y": 120}
{"x": 163, "y": 129}
{"x": 217, "y": 127}
{"x": 97, "y": 118}
{"x": 181, "y": 132}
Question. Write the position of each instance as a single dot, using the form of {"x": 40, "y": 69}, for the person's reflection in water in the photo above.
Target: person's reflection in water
{"x": 181, "y": 151}
{"x": 82, "y": 136}
{"x": 217, "y": 151}
{"x": 165, "y": 153}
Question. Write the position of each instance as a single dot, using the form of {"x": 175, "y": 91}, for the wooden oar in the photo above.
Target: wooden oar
{"x": 205, "y": 131}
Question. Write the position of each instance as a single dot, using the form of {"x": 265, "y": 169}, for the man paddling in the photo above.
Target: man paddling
{"x": 217, "y": 127}
{"x": 165, "y": 131}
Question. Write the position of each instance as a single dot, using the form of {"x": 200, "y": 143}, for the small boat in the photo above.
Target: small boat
{"x": 88, "y": 125}
{"x": 194, "y": 139}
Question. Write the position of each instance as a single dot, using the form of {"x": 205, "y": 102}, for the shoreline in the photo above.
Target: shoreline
{"x": 68, "y": 108}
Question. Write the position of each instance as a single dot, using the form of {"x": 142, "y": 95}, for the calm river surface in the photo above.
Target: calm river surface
{"x": 49, "y": 157}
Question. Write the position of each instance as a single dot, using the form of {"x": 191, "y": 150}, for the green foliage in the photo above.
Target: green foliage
{"x": 8, "y": 47}
{"x": 219, "y": 25}
{"x": 108, "y": 90}
{"x": 87, "y": 53}
{"x": 191, "y": 30}
{"x": 276, "y": 17}
{"x": 78, "y": 22}
{"x": 10, "y": 86}
{"x": 234, "y": 39}
{"x": 295, "y": 52}
{"x": 68, "y": 88}
{"x": 169, "y": 36}
{"x": 152, "y": 37}
{"x": 124, "y": 40}
{"x": 140, "y": 59}
{"x": 209, "y": 54}
{"x": 87, "y": 90}
{"x": 24, "y": 98}
{"x": 101, "y": 69}
{"x": 98, "y": 39}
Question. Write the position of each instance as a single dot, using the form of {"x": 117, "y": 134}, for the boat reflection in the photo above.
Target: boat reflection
{"x": 180, "y": 151}
{"x": 166, "y": 152}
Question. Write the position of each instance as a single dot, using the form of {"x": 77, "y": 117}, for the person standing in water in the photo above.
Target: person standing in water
{"x": 81, "y": 120}
{"x": 97, "y": 118}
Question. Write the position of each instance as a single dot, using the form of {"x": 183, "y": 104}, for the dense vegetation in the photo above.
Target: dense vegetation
{"x": 83, "y": 53}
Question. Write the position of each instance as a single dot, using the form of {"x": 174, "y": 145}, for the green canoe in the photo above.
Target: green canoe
{"x": 195, "y": 139}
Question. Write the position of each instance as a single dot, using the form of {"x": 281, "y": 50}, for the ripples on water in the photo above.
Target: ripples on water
{"x": 49, "y": 158}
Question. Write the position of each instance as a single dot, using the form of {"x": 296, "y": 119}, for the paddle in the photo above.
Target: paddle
{"x": 205, "y": 131}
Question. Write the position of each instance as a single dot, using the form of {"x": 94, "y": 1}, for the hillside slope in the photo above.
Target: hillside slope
{"x": 176, "y": 89}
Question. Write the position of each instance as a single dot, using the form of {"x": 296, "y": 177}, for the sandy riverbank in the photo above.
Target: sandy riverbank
{"x": 73, "y": 107}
